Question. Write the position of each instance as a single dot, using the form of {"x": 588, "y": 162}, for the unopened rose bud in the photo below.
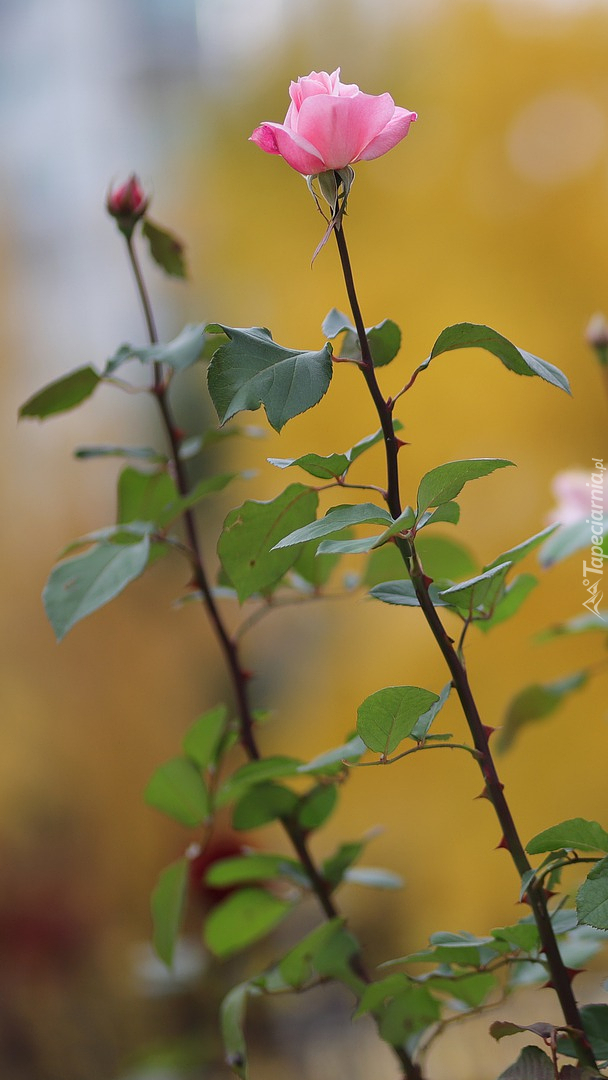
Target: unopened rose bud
{"x": 597, "y": 336}
{"x": 127, "y": 203}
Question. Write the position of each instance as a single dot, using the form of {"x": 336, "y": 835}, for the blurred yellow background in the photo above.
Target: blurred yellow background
{"x": 494, "y": 210}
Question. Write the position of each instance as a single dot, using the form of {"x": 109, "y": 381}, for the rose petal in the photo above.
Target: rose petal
{"x": 396, "y": 130}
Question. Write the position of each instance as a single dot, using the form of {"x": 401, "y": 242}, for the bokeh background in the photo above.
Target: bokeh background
{"x": 495, "y": 209}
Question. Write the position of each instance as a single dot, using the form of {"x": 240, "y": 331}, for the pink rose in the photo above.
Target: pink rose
{"x": 330, "y": 125}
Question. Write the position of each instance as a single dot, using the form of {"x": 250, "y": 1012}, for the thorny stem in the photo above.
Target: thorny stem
{"x": 239, "y": 676}
{"x": 493, "y": 789}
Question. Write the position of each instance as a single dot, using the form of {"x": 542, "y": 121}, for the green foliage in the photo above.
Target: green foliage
{"x": 64, "y": 394}
{"x": 384, "y": 339}
{"x": 178, "y": 790}
{"x": 252, "y": 370}
{"x": 167, "y": 905}
{"x": 444, "y": 483}
{"x": 165, "y": 249}
{"x": 535, "y": 703}
{"x": 81, "y": 585}
{"x": 475, "y": 336}
{"x": 179, "y": 354}
{"x": 576, "y": 834}
{"x": 249, "y": 543}
{"x": 242, "y": 919}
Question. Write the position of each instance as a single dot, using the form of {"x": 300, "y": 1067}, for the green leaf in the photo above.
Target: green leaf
{"x": 475, "y": 336}
{"x": 388, "y": 716}
{"x": 145, "y": 496}
{"x": 79, "y": 586}
{"x": 349, "y": 751}
{"x": 203, "y": 739}
{"x": 567, "y": 540}
{"x": 251, "y": 538}
{"x": 165, "y": 249}
{"x": 510, "y": 602}
{"x": 592, "y": 897}
{"x": 403, "y": 593}
{"x": 480, "y": 594}
{"x": 232, "y": 1020}
{"x": 252, "y": 370}
{"x": 443, "y": 558}
{"x": 535, "y": 703}
{"x": 316, "y": 806}
{"x": 239, "y": 869}
{"x": 241, "y": 919}
{"x": 373, "y": 877}
{"x": 336, "y": 519}
{"x": 532, "y": 1064}
{"x": 443, "y": 483}
{"x": 262, "y": 804}
{"x": 177, "y": 789}
{"x": 167, "y": 904}
{"x": 180, "y": 353}
{"x": 423, "y": 724}
{"x": 64, "y": 394}
{"x": 577, "y": 834}
{"x": 298, "y": 967}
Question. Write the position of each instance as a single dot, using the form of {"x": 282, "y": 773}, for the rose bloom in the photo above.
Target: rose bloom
{"x": 571, "y": 490}
{"x": 331, "y": 124}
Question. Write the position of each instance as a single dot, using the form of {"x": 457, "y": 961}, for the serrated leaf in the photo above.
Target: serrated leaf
{"x": 535, "y": 703}
{"x": 178, "y": 790}
{"x": 443, "y": 483}
{"x": 336, "y": 519}
{"x": 262, "y": 804}
{"x": 165, "y": 249}
{"x": 403, "y": 594}
{"x": 476, "y": 336}
{"x": 180, "y": 353}
{"x": 348, "y": 751}
{"x": 532, "y": 1064}
{"x": 81, "y": 585}
{"x": 64, "y": 394}
{"x": 250, "y": 546}
{"x": 252, "y": 370}
{"x": 244, "y": 868}
{"x": 388, "y": 716}
{"x": 203, "y": 739}
{"x": 167, "y": 904}
{"x": 577, "y": 834}
{"x": 592, "y": 898}
{"x": 316, "y": 806}
{"x": 567, "y": 540}
{"x": 242, "y": 919}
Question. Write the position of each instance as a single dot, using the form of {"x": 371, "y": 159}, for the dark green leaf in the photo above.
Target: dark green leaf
{"x": 535, "y": 703}
{"x": 252, "y": 370}
{"x": 165, "y": 249}
{"x": 179, "y": 354}
{"x": 64, "y": 394}
{"x": 253, "y": 533}
{"x": 577, "y": 834}
{"x": 592, "y": 898}
{"x": 532, "y": 1064}
{"x": 316, "y": 806}
{"x": 243, "y": 868}
{"x": 167, "y": 904}
{"x": 403, "y": 593}
{"x": 203, "y": 739}
{"x": 349, "y": 751}
{"x": 387, "y": 717}
{"x": 336, "y": 519}
{"x": 241, "y": 919}
{"x": 77, "y": 587}
{"x": 475, "y": 336}
{"x": 262, "y": 804}
{"x": 177, "y": 788}
{"x": 443, "y": 483}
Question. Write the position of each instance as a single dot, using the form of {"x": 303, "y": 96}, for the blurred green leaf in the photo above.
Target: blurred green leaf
{"x": 64, "y": 394}
{"x": 79, "y": 586}
{"x": 167, "y": 904}
{"x": 443, "y": 483}
{"x": 476, "y": 336}
{"x": 250, "y": 547}
{"x": 165, "y": 249}
{"x": 535, "y": 703}
{"x": 252, "y": 370}
{"x": 241, "y": 919}
{"x": 178, "y": 790}
{"x": 389, "y": 715}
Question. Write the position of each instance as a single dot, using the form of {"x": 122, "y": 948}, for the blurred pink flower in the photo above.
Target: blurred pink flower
{"x": 571, "y": 490}
{"x": 331, "y": 124}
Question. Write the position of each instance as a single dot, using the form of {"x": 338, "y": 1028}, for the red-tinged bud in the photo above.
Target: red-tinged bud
{"x": 127, "y": 203}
